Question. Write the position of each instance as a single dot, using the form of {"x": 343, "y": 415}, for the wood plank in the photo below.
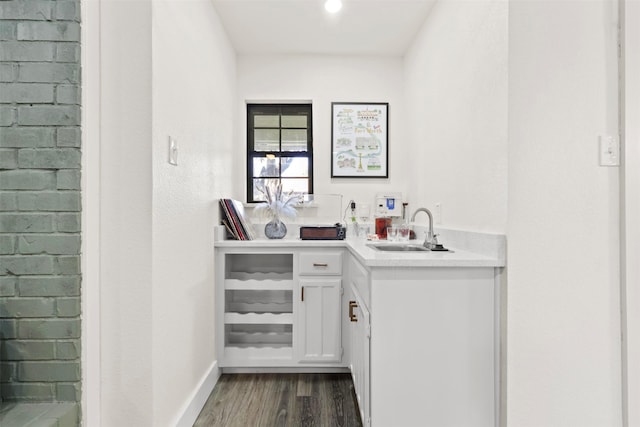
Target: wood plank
{"x": 340, "y": 408}
{"x": 286, "y": 401}
{"x": 307, "y": 412}
{"x": 268, "y": 391}
{"x": 304, "y": 385}
{"x": 334, "y": 402}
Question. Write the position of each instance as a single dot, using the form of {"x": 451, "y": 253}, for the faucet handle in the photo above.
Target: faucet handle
{"x": 434, "y": 239}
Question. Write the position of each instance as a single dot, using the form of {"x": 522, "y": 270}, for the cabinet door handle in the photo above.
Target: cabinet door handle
{"x": 352, "y": 316}
{"x": 320, "y": 264}
{"x": 302, "y": 295}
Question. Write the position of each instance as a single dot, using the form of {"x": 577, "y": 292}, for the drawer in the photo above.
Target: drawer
{"x": 320, "y": 263}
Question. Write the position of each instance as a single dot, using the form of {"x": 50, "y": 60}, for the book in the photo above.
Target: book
{"x": 227, "y": 221}
{"x": 233, "y": 218}
{"x": 230, "y": 229}
{"x": 244, "y": 220}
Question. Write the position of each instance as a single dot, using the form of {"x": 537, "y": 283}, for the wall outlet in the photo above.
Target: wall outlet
{"x": 173, "y": 151}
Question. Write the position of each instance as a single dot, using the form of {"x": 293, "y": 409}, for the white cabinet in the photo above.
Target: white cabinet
{"x": 319, "y": 337}
{"x": 432, "y": 347}
{"x": 359, "y": 340}
{"x": 278, "y": 308}
{"x": 422, "y": 345}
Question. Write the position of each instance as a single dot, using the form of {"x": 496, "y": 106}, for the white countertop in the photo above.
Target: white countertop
{"x": 371, "y": 257}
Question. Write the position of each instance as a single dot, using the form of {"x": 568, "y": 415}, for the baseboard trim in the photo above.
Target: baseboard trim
{"x": 287, "y": 370}
{"x": 199, "y": 397}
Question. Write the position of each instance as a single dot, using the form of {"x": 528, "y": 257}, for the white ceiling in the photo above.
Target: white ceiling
{"x": 362, "y": 27}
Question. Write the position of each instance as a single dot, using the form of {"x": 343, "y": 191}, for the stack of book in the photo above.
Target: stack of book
{"x": 233, "y": 218}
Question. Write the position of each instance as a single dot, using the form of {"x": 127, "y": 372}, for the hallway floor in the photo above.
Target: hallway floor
{"x": 268, "y": 400}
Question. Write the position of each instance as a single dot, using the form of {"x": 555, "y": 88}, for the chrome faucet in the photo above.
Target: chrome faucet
{"x": 430, "y": 240}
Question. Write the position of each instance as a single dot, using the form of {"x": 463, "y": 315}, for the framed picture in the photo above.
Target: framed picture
{"x": 359, "y": 140}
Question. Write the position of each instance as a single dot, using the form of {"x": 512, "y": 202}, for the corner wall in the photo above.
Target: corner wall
{"x": 631, "y": 206}
{"x": 125, "y": 275}
{"x": 167, "y": 68}
{"x": 563, "y": 233}
{"x": 194, "y": 101}
{"x": 455, "y": 90}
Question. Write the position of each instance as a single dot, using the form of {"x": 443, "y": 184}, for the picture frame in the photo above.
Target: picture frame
{"x": 360, "y": 140}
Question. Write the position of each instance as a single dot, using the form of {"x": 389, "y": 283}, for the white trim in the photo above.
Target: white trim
{"x": 199, "y": 397}
{"x": 91, "y": 360}
{"x": 630, "y": 241}
{"x": 278, "y": 101}
{"x": 499, "y": 364}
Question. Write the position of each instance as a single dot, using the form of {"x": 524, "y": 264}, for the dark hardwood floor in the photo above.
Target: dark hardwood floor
{"x": 270, "y": 400}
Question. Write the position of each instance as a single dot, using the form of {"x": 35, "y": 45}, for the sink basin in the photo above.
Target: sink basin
{"x": 399, "y": 248}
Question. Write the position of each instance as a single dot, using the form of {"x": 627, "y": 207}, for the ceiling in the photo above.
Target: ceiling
{"x": 362, "y": 27}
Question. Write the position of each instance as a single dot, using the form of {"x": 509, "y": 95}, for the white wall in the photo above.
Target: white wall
{"x": 455, "y": 76}
{"x": 322, "y": 80}
{"x": 563, "y": 302}
{"x": 167, "y": 68}
{"x": 193, "y": 101}
{"x": 125, "y": 213}
{"x": 631, "y": 243}
{"x": 90, "y": 260}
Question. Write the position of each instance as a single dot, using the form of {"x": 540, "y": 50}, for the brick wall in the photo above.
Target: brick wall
{"x": 40, "y": 200}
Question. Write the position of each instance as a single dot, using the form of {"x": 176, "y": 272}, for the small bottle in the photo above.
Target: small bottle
{"x": 405, "y": 213}
{"x": 354, "y": 221}
{"x": 405, "y": 220}
{"x": 381, "y": 226}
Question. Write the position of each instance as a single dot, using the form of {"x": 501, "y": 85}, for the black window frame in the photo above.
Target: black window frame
{"x": 279, "y": 109}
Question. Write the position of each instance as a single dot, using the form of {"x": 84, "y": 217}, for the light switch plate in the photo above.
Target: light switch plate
{"x": 173, "y": 151}
{"x": 609, "y": 151}
{"x": 438, "y": 216}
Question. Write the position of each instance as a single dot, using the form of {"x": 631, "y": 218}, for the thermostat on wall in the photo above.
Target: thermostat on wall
{"x": 388, "y": 204}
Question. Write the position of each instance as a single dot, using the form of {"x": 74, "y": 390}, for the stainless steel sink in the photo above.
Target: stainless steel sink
{"x": 399, "y": 248}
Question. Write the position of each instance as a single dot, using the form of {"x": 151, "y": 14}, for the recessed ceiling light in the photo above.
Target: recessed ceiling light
{"x": 333, "y": 6}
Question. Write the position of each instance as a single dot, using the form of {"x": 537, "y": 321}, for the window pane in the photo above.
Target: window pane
{"x": 264, "y": 167}
{"x": 295, "y": 167}
{"x": 266, "y": 121}
{"x": 294, "y": 140}
{"x": 257, "y": 195}
{"x": 296, "y": 185}
{"x": 294, "y": 122}
{"x": 266, "y": 140}
{"x": 299, "y": 186}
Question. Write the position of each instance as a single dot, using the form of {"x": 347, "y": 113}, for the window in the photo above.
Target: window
{"x": 279, "y": 146}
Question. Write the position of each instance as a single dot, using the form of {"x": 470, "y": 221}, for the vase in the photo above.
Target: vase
{"x": 275, "y": 229}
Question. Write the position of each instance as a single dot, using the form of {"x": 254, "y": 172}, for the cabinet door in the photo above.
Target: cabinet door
{"x": 319, "y": 337}
{"x": 360, "y": 335}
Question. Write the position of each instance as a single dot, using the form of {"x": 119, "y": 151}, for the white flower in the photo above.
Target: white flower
{"x": 277, "y": 204}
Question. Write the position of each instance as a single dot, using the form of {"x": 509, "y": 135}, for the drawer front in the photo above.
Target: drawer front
{"x": 320, "y": 263}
